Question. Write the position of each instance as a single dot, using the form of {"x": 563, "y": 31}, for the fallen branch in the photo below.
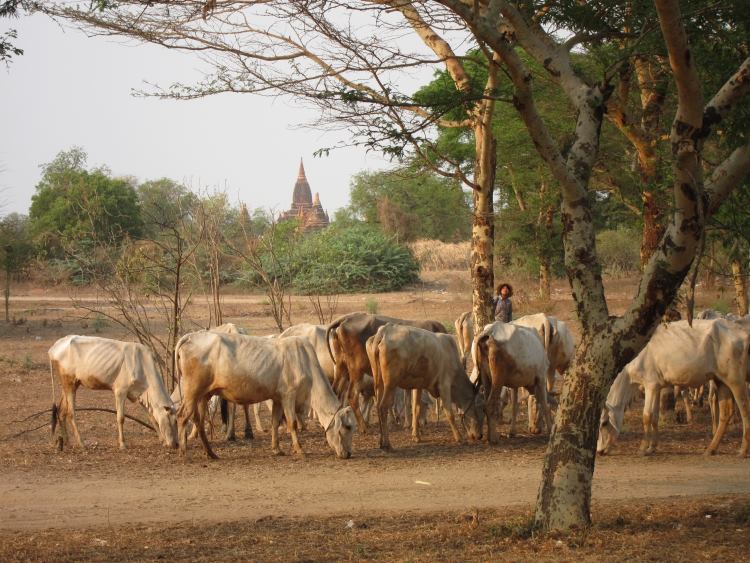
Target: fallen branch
{"x": 23, "y": 432}
{"x": 139, "y": 421}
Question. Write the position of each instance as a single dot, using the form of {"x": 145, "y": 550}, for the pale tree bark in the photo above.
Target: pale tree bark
{"x": 480, "y": 116}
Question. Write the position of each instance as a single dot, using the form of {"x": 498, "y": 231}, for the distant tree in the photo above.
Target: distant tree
{"x": 412, "y": 204}
{"x": 73, "y": 205}
{"x": 16, "y": 250}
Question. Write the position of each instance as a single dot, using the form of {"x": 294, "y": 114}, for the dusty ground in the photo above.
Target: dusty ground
{"x": 428, "y": 500}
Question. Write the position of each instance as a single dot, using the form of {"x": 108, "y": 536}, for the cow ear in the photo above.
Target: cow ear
{"x": 169, "y": 409}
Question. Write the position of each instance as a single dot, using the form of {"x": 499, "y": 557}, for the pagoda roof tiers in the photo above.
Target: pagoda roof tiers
{"x": 302, "y": 194}
{"x": 308, "y": 211}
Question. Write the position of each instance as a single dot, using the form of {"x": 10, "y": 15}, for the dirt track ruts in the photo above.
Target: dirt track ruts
{"x": 212, "y": 492}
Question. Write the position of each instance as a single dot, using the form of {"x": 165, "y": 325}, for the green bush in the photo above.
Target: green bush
{"x": 619, "y": 250}
{"x": 354, "y": 258}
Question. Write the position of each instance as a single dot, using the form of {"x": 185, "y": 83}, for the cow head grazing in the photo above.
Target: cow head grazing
{"x": 340, "y": 431}
{"x": 473, "y": 417}
{"x": 166, "y": 420}
{"x": 607, "y": 434}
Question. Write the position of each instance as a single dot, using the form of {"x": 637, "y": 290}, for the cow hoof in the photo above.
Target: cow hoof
{"x": 232, "y": 438}
{"x": 277, "y": 452}
{"x": 211, "y": 455}
{"x": 742, "y": 453}
{"x": 535, "y": 431}
{"x": 709, "y": 452}
{"x": 386, "y": 447}
{"x": 249, "y": 437}
{"x": 416, "y": 439}
{"x": 122, "y": 447}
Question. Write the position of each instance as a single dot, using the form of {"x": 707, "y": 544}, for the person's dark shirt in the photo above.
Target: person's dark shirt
{"x": 503, "y": 309}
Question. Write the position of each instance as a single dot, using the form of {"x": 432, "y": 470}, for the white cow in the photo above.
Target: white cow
{"x": 246, "y": 369}
{"x": 227, "y": 409}
{"x": 510, "y": 355}
{"x": 126, "y": 368}
{"x": 680, "y": 355}
{"x": 560, "y": 347}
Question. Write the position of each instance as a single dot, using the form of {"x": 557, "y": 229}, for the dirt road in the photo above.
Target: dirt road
{"x": 201, "y": 491}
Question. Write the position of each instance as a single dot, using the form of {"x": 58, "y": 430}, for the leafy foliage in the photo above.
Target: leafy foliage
{"x": 355, "y": 258}
{"x": 411, "y": 204}
{"x": 16, "y": 247}
{"x": 74, "y": 205}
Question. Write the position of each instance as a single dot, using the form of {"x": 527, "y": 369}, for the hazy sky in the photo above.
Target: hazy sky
{"x": 70, "y": 90}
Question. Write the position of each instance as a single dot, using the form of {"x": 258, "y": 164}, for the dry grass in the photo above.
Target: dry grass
{"x": 435, "y": 255}
{"x": 711, "y": 528}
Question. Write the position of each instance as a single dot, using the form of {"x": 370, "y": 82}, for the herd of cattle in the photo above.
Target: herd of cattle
{"x": 336, "y": 371}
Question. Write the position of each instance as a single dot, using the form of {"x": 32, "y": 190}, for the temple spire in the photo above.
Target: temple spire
{"x": 301, "y": 175}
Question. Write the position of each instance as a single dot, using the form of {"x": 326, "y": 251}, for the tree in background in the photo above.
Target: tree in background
{"x": 16, "y": 251}
{"x": 76, "y": 206}
{"x": 411, "y": 204}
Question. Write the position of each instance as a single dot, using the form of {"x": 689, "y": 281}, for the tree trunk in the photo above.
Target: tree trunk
{"x": 653, "y": 227}
{"x": 482, "y": 242}
{"x": 564, "y": 500}
{"x": 740, "y": 289}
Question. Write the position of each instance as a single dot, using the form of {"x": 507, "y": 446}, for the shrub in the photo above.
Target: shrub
{"x": 371, "y": 306}
{"x": 619, "y": 250}
{"x": 351, "y": 259}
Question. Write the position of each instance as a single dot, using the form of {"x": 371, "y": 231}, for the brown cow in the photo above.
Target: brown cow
{"x": 412, "y": 358}
{"x": 346, "y": 338}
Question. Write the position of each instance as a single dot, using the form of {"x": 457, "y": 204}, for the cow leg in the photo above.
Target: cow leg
{"x": 275, "y": 422}
{"x": 408, "y": 408}
{"x": 354, "y": 403}
{"x": 513, "y": 411}
{"x": 231, "y": 412}
{"x": 248, "y": 428}
{"x": 444, "y": 388}
{"x": 713, "y": 405}
{"x": 416, "y": 412}
{"x": 533, "y": 412}
{"x": 722, "y": 401}
{"x": 198, "y": 421}
{"x": 685, "y": 395}
{"x": 540, "y": 392}
{"x": 258, "y": 421}
{"x": 385, "y": 401}
{"x": 292, "y": 424}
{"x": 366, "y": 407}
{"x": 550, "y": 379}
{"x": 650, "y": 419}
{"x": 742, "y": 398}
{"x": 70, "y": 399}
{"x": 194, "y": 432}
{"x": 182, "y": 417}
{"x": 120, "y": 409}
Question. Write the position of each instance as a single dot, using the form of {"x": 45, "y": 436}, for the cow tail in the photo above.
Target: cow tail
{"x": 332, "y": 327}
{"x": 373, "y": 354}
{"x": 55, "y": 409}
{"x": 479, "y": 350}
